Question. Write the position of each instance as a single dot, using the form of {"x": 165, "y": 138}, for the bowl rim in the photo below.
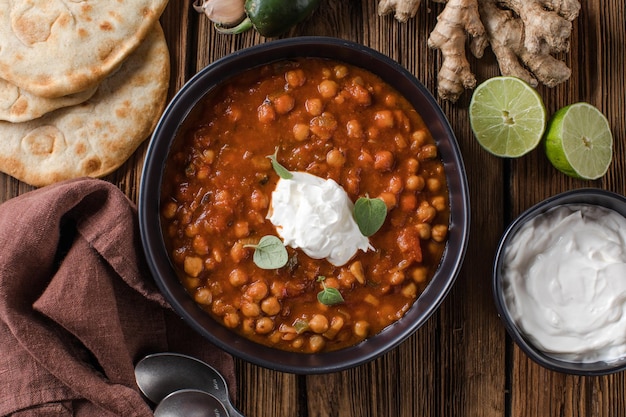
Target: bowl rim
{"x": 148, "y": 209}
{"x": 587, "y": 195}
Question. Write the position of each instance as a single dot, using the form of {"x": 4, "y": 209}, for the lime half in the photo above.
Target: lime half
{"x": 579, "y": 142}
{"x": 508, "y": 116}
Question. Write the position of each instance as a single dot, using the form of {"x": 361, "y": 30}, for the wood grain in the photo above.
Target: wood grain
{"x": 461, "y": 362}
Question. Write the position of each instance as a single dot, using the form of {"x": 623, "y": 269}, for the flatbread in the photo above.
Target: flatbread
{"x": 54, "y": 48}
{"x": 18, "y": 105}
{"x": 96, "y": 137}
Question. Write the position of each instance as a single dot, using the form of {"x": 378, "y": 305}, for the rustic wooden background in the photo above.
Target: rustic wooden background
{"x": 461, "y": 363}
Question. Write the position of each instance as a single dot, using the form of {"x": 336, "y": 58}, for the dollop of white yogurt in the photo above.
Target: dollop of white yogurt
{"x": 564, "y": 279}
{"x": 315, "y": 215}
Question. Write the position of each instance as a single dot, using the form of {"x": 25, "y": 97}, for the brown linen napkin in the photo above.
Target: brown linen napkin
{"x": 78, "y": 307}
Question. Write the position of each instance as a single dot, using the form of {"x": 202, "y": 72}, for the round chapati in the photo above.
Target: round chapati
{"x": 18, "y": 105}
{"x": 54, "y": 48}
{"x": 97, "y": 136}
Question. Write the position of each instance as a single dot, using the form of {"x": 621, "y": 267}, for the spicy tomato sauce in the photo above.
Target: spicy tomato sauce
{"x": 329, "y": 119}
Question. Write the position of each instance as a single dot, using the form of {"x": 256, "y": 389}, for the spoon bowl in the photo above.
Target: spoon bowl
{"x": 160, "y": 374}
{"x": 190, "y": 403}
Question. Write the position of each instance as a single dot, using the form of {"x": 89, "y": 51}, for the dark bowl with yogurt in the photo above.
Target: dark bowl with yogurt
{"x": 158, "y": 258}
{"x": 559, "y": 282}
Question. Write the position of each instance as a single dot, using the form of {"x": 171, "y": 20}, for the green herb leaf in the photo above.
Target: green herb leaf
{"x": 269, "y": 253}
{"x": 328, "y": 296}
{"x": 369, "y": 214}
{"x": 280, "y": 170}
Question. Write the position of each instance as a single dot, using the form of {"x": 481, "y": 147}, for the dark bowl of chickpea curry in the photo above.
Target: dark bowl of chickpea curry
{"x": 304, "y": 204}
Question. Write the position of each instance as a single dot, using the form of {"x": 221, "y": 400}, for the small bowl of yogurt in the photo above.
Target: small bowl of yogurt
{"x": 559, "y": 282}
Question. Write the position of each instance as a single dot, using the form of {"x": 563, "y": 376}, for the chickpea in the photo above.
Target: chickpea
{"x": 423, "y": 230}
{"x": 241, "y": 229}
{"x": 300, "y": 132}
{"x": 278, "y": 289}
{"x": 257, "y": 291}
{"x": 200, "y": 245}
{"x": 258, "y": 200}
{"x": 419, "y": 274}
{"x": 266, "y": 113}
{"x": 400, "y": 141}
{"x": 295, "y": 78}
{"x": 356, "y": 268}
{"x": 335, "y": 158}
{"x": 397, "y": 277}
{"x": 270, "y": 306}
{"x": 341, "y": 71}
{"x": 250, "y": 309}
{"x": 336, "y": 324}
{"x": 395, "y": 184}
{"x": 323, "y": 126}
{"x": 412, "y": 165}
{"x": 284, "y": 103}
{"x": 203, "y": 296}
{"x": 354, "y": 129}
{"x": 415, "y": 183}
{"x": 410, "y": 290}
{"x": 426, "y": 213}
{"x": 231, "y": 320}
{"x": 439, "y": 232}
{"x": 328, "y": 88}
{"x": 314, "y": 106}
{"x": 419, "y": 137}
{"x": 237, "y": 252}
{"x": 383, "y": 160}
{"x": 439, "y": 203}
{"x": 383, "y": 119}
{"x": 361, "y": 328}
{"x": 427, "y": 152}
{"x": 193, "y": 266}
{"x": 238, "y": 277}
{"x": 261, "y": 163}
{"x": 264, "y": 325}
{"x": 390, "y": 100}
{"x": 433, "y": 184}
{"x": 318, "y": 323}
{"x": 389, "y": 199}
{"x": 297, "y": 343}
{"x": 316, "y": 343}
{"x": 169, "y": 210}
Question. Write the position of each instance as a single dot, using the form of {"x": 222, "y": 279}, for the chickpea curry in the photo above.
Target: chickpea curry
{"x": 334, "y": 121}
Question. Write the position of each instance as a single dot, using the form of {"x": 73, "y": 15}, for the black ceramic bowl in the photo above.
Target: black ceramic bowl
{"x": 150, "y": 190}
{"x": 590, "y": 196}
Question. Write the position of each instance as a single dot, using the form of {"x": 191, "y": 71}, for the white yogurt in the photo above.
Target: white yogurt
{"x": 564, "y": 279}
{"x": 315, "y": 215}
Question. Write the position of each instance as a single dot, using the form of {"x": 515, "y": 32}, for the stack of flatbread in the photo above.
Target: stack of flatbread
{"x": 82, "y": 85}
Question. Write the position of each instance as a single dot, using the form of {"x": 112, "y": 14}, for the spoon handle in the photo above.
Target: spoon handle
{"x": 232, "y": 411}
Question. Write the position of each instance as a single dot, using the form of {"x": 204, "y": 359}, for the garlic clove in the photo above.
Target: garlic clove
{"x": 222, "y": 12}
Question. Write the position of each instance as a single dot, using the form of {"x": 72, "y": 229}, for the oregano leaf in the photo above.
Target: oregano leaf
{"x": 328, "y": 296}
{"x": 280, "y": 170}
{"x": 269, "y": 253}
{"x": 369, "y": 214}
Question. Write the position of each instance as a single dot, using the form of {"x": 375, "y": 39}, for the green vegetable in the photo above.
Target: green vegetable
{"x": 282, "y": 172}
{"x": 272, "y": 17}
{"x": 269, "y": 253}
{"x": 369, "y": 214}
{"x": 328, "y": 296}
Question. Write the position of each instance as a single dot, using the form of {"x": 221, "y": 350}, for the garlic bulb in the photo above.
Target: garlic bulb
{"x": 222, "y": 12}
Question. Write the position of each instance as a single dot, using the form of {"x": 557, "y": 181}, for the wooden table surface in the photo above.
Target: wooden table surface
{"x": 461, "y": 362}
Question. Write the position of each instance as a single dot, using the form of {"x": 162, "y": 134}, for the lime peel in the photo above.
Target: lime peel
{"x": 579, "y": 142}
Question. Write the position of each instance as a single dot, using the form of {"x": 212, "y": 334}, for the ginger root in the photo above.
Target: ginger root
{"x": 523, "y": 35}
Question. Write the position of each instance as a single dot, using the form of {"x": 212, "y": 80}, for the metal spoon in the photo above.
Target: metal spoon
{"x": 190, "y": 403}
{"x": 160, "y": 374}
